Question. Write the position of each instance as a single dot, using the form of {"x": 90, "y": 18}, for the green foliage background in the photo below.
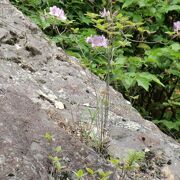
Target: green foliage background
{"x": 146, "y": 67}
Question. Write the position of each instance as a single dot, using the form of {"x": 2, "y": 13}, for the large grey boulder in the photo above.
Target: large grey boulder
{"x": 44, "y": 90}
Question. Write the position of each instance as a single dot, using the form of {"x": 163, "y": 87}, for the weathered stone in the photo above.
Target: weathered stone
{"x": 44, "y": 90}
{"x": 3, "y": 33}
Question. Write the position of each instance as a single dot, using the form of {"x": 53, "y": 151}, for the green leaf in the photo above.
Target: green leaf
{"x": 133, "y": 158}
{"x": 128, "y": 80}
{"x": 124, "y": 43}
{"x": 155, "y": 79}
{"x": 85, "y": 19}
{"x": 134, "y": 97}
{"x": 90, "y": 171}
{"x": 56, "y": 162}
{"x": 127, "y": 3}
{"x": 114, "y": 161}
{"x": 48, "y": 136}
{"x": 143, "y": 82}
{"x": 141, "y": 3}
{"x": 92, "y": 15}
{"x": 175, "y": 46}
{"x": 120, "y": 60}
{"x": 58, "y": 149}
{"x": 149, "y": 77}
{"x": 79, "y": 173}
{"x": 104, "y": 174}
{"x": 173, "y": 103}
{"x": 173, "y": 7}
{"x": 144, "y": 46}
{"x": 75, "y": 30}
{"x": 169, "y": 124}
{"x": 174, "y": 72}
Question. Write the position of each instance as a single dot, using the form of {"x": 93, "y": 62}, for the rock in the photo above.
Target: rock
{"x": 23, "y": 150}
{"x": 43, "y": 90}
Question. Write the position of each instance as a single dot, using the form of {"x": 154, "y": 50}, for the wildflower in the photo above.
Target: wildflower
{"x": 97, "y": 41}
{"x": 176, "y": 26}
{"x": 59, "y": 13}
{"x": 105, "y": 13}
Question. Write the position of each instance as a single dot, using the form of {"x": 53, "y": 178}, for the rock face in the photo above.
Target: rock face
{"x": 42, "y": 90}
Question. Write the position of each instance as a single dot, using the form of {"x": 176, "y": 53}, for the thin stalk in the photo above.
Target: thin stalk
{"x": 107, "y": 97}
{"x": 98, "y": 122}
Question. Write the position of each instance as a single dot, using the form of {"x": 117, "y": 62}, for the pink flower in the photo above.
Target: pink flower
{"x": 105, "y": 13}
{"x": 97, "y": 41}
{"x": 59, "y": 13}
{"x": 176, "y": 26}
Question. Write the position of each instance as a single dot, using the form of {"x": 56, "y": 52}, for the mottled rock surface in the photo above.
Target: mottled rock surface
{"x": 43, "y": 90}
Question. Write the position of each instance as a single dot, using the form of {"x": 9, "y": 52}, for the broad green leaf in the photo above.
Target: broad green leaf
{"x": 128, "y": 80}
{"x": 120, "y": 60}
{"x": 127, "y": 3}
{"x": 144, "y": 46}
{"x": 174, "y": 72}
{"x": 175, "y": 46}
{"x": 92, "y": 15}
{"x": 173, "y": 7}
{"x": 143, "y": 82}
{"x": 169, "y": 124}
{"x": 150, "y": 77}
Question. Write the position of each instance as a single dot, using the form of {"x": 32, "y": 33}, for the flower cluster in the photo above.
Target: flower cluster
{"x": 176, "y": 26}
{"x": 97, "y": 41}
{"x": 59, "y": 13}
{"x": 105, "y": 13}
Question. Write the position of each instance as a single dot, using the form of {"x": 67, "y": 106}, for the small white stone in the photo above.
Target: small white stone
{"x": 61, "y": 90}
{"x": 51, "y": 96}
{"x": 86, "y": 104}
{"x": 59, "y": 105}
{"x": 18, "y": 46}
{"x": 128, "y": 102}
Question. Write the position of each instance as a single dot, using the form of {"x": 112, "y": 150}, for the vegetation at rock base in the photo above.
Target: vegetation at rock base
{"x": 135, "y": 165}
{"x": 146, "y": 60}
{"x": 117, "y": 167}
